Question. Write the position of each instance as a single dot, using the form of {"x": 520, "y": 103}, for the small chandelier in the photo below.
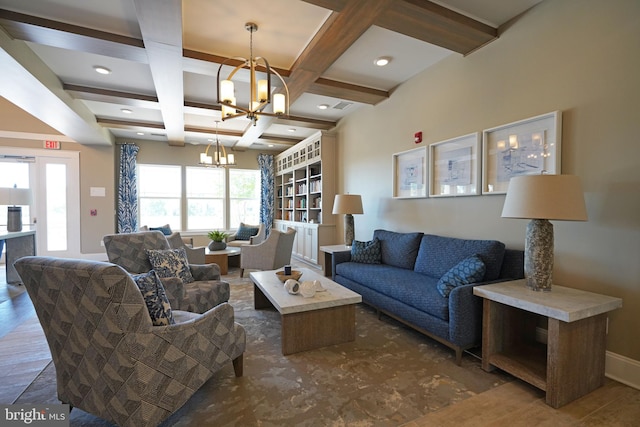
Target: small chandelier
{"x": 260, "y": 94}
{"x": 220, "y": 159}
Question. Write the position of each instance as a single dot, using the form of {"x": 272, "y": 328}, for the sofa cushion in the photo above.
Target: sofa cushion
{"x": 398, "y": 249}
{"x": 411, "y": 288}
{"x": 246, "y": 231}
{"x": 469, "y": 270}
{"x": 155, "y": 298}
{"x": 165, "y": 229}
{"x": 438, "y": 254}
{"x": 171, "y": 263}
{"x": 366, "y": 252}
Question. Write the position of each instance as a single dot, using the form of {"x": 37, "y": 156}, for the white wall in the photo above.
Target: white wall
{"x": 578, "y": 56}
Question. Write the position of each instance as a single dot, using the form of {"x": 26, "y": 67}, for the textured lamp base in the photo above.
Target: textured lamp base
{"x": 538, "y": 255}
{"x": 349, "y": 233}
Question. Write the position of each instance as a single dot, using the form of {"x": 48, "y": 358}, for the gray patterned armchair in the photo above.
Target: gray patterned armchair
{"x": 110, "y": 360}
{"x": 128, "y": 251}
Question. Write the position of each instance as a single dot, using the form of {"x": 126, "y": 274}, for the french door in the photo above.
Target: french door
{"x": 55, "y": 203}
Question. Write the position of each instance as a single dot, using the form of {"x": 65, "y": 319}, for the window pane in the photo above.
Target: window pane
{"x": 244, "y": 197}
{"x": 205, "y": 198}
{"x": 160, "y": 192}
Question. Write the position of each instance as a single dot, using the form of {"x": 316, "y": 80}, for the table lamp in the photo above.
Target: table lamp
{"x": 348, "y": 204}
{"x": 542, "y": 198}
{"x": 14, "y": 198}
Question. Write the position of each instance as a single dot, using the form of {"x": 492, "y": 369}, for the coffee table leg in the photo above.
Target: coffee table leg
{"x": 259, "y": 299}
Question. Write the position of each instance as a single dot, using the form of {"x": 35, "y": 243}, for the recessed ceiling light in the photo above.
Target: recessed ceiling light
{"x": 270, "y": 145}
{"x": 291, "y": 130}
{"x": 140, "y": 133}
{"x": 323, "y": 106}
{"x": 126, "y": 110}
{"x": 102, "y": 70}
{"x": 382, "y": 61}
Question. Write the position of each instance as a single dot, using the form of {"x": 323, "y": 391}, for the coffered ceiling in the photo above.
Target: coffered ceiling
{"x": 164, "y": 56}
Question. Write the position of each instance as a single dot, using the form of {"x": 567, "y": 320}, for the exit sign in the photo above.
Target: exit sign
{"x": 52, "y": 145}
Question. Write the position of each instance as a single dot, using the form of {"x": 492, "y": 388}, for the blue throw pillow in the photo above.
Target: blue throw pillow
{"x": 170, "y": 263}
{"x": 155, "y": 298}
{"x": 166, "y": 229}
{"x": 366, "y": 252}
{"x": 246, "y": 231}
{"x": 469, "y": 270}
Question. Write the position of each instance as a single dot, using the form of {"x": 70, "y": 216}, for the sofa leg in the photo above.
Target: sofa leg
{"x": 458, "y": 356}
{"x": 238, "y": 365}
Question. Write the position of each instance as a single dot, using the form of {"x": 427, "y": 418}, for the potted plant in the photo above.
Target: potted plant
{"x": 217, "y": 240}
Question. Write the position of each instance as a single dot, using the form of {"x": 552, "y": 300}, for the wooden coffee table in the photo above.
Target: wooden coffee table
{"x": 220, "y": 257}
{"x": 308, "y": 323}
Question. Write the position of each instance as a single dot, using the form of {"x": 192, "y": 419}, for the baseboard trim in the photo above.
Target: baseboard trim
{"x": 622, "y": 369}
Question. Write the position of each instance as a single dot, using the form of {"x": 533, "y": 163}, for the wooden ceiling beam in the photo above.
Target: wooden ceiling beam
{"x": 88, "y": 93}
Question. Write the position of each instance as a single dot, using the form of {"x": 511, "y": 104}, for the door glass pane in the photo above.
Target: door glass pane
{"x": 15, "y": 174}
{"x": 56, "y": 206}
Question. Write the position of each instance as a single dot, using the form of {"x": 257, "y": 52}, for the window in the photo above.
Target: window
{"x": 205, "y": 198}
{"x": 244, "y": 197}
{"x": 160, "y": 192}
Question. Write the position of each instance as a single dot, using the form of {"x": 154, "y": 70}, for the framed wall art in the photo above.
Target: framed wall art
{"x": 526, "y": 147}
{"x": 410, "y": 173}
{"x": 454, "y": 167}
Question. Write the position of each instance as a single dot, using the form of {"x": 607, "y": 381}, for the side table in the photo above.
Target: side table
{"x": 571, "y": 363}
{"x": 221, "y": 258}
{"x": 328, "y": 256}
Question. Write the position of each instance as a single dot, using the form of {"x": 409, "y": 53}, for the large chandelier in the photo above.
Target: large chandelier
{"x": 220, "y": 158}
{"x": 260, "y": 92}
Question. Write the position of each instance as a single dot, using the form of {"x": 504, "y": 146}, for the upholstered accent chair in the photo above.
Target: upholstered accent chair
{"x": 195, "y": 255}
{"x": 110, "y": 360}
{"x": 273, "y": 253}
{"x": 239, "y": 241}
{"x": 128, "y": 251}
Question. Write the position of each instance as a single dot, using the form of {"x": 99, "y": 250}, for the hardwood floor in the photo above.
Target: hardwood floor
{"x": 515, "y": 403}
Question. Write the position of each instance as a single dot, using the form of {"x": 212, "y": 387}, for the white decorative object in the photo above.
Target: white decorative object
{"x": 307, "y": 289}
{"x": 292, "y": 286}
{"x": 318, "y": 285}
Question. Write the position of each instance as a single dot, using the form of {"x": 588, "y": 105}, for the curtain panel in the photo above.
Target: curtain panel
{"x": 128, "y": 190}
{"x": 267, "y": 176}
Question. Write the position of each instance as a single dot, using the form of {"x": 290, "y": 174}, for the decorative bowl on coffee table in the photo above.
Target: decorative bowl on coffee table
{"x": 295, "y": 275}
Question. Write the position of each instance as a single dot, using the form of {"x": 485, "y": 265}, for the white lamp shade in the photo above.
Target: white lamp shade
{"x": 552, "y": 197}
{"x": 347, "y": 204}
{"x": 263, "y": 92}
{"x": 15, "y": 196}
{"x": 226, "y": 91}
{"x": 279, "y": 103}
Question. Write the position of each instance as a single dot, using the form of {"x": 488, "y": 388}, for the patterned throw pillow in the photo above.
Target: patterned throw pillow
{"x": 155, "y": 298}
{"x": 469, "y": 270}
{"x": 246, "y": 231}
{"x": 366, "y": 252}
{"x": 170, "y": 263}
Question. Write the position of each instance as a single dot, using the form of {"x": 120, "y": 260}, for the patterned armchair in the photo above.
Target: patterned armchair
{"x": 110, "y": 360}
{"x": 238, "y": 240}
{"x": 274, "y": 252}
{"x": 128, "y": 251}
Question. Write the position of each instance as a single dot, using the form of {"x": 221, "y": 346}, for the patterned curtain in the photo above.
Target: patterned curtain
{"x": 267, "y": 176}
{"x": 128, "y": 190}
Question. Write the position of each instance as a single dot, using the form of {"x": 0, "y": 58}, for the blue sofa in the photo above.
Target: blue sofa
{"x": 404, "y": 284}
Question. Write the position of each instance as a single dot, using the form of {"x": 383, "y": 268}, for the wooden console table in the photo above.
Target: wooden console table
{"x": 571, "y": 363}
{"x": 18, "y": 244}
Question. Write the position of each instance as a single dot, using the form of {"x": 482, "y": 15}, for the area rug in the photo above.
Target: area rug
{"x": 389, "y": 376}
